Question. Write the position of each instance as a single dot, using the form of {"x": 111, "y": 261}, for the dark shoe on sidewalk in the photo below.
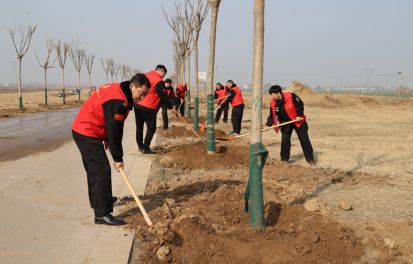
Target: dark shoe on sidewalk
{"x": 109, "y": 220}
{"x": 147, "y": 150}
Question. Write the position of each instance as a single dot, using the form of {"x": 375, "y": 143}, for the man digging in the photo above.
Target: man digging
{"x": 237, "y": 103}
{"x": 101, "y": 119}
{"x": 285, "y": 107}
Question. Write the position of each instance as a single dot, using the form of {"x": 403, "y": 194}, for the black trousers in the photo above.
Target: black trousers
{"x": 219, "y": 112}
{"x": 145, "y": 117}
{"x": 302, "y": 133}
{"x": 182, "y": 109}
{"x": 236, "y": 118}
{"x": 165, "y": 116}
{"x": 98, "y": 172}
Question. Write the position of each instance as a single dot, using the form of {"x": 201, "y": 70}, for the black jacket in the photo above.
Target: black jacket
{"x": 114, "y": 128}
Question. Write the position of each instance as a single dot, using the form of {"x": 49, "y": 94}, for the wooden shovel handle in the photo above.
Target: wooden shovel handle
{"x": 143, "y": 211}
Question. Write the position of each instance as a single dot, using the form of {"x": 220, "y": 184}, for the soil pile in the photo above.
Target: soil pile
{"x": 176, "y": 131}
{"x": 299, "y": 88}
{"x": 194, "y": 156}
{"x": 210, "y": 227}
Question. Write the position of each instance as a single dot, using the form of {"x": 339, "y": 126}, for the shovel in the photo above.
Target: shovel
{"x": 249, "y": 133}
{"x": 141, "y": 208}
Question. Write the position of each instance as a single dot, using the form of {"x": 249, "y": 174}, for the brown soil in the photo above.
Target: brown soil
{"x": 182, "y": 131}
{"x": 194, "y": 156}
{"x": 190, "y": 120}
{"x": 222, "y": 234}
{"x": 176, "y": 131}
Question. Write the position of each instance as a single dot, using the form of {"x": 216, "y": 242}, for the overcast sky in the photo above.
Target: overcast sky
{"x": 314, "y": 41}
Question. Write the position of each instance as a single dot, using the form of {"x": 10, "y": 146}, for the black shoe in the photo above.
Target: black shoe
{"x": 114, "y": 199}
{"x": 147, "y": 151}
{"x": 109, "y": 220}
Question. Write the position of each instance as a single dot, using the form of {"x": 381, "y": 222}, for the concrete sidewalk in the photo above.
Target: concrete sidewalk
{"x": 45, "y": 214}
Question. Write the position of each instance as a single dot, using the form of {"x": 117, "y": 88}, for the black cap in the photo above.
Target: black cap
{"x": 275, "y": 89}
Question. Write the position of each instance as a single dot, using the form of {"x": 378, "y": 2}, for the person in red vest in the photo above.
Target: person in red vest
{"x": 147, "y": 109}
{"x": 237, "y": 103}
{"x": 98, "y": 125}
{"x": 286, "y": 107}
{"x": 180, "y": 95}
{"x": 171, "y": 97}
{"x": 220, "y": 95}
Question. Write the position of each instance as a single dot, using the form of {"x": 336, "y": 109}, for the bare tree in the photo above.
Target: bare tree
{"x": 21, "y": 45}
{"x": 258, "y": 153}
{"x": 177, "y": 61}
{"x": 110, "y": 63}
{"x": 77, "y": 60}
{"x": 178, "y": 24}
{"x": 62, "y": 52}
{"x": 117, "y": 71}
{"x": 214, "y": 5}
{"x": 105, "y": 67}
{"x": 88, "y": 60}
{"x": 125, "y": 72}
{"x": 199, "y": 12}
{"x": 45, "y": 64}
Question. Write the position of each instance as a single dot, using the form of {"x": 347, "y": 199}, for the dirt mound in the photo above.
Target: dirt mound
{"x": 190, "y": 120}
{"x": 182, "y": 131}
{"x": 222, "y": 234}
{"x": 194, "y": 156}
{"x": 299, "y": 88}
{"x": 176, "y": 131}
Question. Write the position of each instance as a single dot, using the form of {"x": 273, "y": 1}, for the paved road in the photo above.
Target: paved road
{"x": 45, "y": 214}
{"x": 24, "y": 135}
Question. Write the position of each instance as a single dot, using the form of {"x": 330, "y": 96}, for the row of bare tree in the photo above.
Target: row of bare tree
{"x": 64, "y": 51}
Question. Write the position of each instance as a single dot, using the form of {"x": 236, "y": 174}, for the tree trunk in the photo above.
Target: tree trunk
{"x": 211, "y": 65}
{"x": 258, "y": 153}
{"x": 19, "y": 82}
{"x": 188, "y": 83}
{"x": 45, "y": 86}
{"x": 78, "y": 85}
{"x": 63, "y": 86}
{"x": 90, "y": 82}
{"x": 196, "y": 99}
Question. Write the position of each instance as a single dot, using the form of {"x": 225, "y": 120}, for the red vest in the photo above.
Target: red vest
{"x": 289, "y": 108}
{"x": 237, "y": 100}
{"x": 152, "y": 99}
{"x": 274, "y": 115}
{"x": 90, "y": 120}
{"x": 221, "y": 94}
{"x": 182, "y": 90}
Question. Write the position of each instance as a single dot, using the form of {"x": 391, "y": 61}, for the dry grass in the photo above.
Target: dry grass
{"x": 34, "y": 102}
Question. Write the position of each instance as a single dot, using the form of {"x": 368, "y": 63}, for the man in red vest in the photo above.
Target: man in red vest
{"x": 237, "y": 103}
{"x": 180, "y": 95}
{"x": 220, "y": 95}
{"x": 286, "y": 107}
{"x": 98, "y": 125}
{"x": 171, "y": 98}
{"x": 147, "y": 109}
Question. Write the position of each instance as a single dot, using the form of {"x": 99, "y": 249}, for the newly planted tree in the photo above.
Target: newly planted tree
{"x": 21, "y": 45}
{"x": 88, "y": 60}
{"x": 45, "y": 65}
{"x": 77, "y": 60}
{"x": 181, "y": 24}
{"x": 258, "y": 154}
{"x": 214, "y": 5}
{"x": 200, "y": 12}
{"x": 62, "y": 53}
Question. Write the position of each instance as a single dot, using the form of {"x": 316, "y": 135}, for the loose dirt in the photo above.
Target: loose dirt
{"x": 194, "y": 156}
{"x": 202, "y": 221}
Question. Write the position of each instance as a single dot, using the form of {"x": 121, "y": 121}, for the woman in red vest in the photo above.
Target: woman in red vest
{"x": 237, "y": 103}
{"x": 220, "y": 95}
{"x": 100, "y": 119}
{"x": 180, "y": 95}
{"x": 286, "y": 107}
